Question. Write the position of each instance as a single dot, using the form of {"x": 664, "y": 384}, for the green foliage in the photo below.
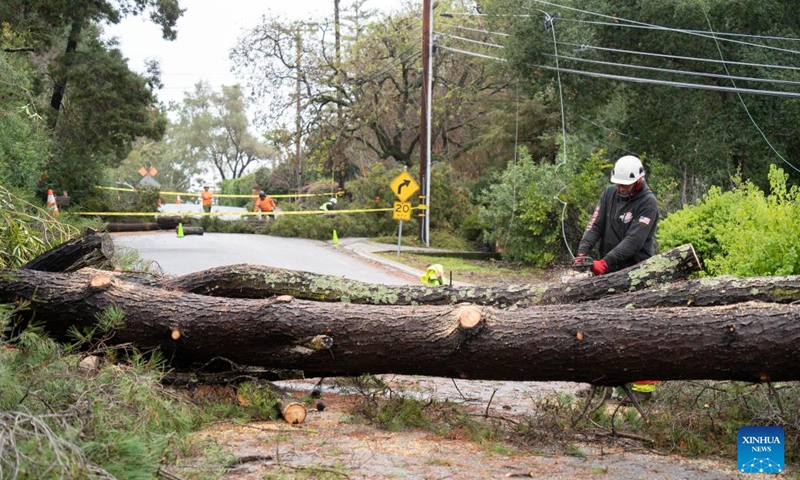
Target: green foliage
{"x": 116, "y": 420}
{"x": 449, "y": 198}
{"x": 212, "y": 130}
{"x": 27, "y": 231}
{"x": 741, "y": 232}
{"x": 24, "y": 137}
{"x": 702, "y": 134}
{"x": 523, "y": 207}
{"x": 240, "y": 186}
{"x": 372, "y": 191}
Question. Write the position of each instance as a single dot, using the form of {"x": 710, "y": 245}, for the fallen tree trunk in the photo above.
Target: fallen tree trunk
{"x": 256, "y": 281}
{"x": 132, "y": 227}
{"x": 584, "y": 343}
{"x": 93, "y": 250}
{"x": 711, "y": 291}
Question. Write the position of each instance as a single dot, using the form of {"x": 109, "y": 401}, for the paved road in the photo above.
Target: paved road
{"x": 192, "y": 253}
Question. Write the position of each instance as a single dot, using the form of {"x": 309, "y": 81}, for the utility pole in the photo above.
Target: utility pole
{"x": 425, "y": 123}
{"x": 338, "y": 164}
{"x": 298, "y": 123}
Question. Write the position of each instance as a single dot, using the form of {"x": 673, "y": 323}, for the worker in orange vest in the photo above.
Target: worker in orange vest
{"x": 264, "y": 203}
{"x": 207, "y": 197}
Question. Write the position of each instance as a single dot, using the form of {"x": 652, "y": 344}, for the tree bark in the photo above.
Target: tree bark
{"x": 583, "y": 343}
{"x": 710, "y": 291}
{"x": 255, "y": 281}
{"x": 90, "y": 250}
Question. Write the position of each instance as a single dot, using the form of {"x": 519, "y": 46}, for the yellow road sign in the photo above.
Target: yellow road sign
{"x": 402, "y": 211}
{"x": 403, "y": 186}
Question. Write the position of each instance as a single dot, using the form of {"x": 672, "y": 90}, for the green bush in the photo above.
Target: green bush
{"x": 523, "y": 208}
{"x": 741, "y": 232}
{"x": 59, "y": 421}
{"x": 25, "y": 139}
{"x": 27, "y": 231}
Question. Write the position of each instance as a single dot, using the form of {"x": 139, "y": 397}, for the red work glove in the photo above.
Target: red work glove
{"x": 577, "y": 260}
{"x": 600, "y": 267}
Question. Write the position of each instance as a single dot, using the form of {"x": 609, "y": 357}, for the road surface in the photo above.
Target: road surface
{"x": 193, "y": 253}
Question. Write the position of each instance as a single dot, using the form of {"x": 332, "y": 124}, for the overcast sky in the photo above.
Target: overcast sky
{"x": 207, "y": 31}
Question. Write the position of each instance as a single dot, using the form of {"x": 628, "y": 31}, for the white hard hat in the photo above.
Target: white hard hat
{"x": 333, "y": 201}
{"x": 627, "y": 170}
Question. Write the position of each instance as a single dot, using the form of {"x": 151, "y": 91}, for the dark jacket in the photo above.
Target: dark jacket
{"x": 624, "y": 227}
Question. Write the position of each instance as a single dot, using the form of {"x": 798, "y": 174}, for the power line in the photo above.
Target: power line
{"x": 584, "y": 46}
{"x": 676, "y": 57}
{"x": 469, "y": 40}
{"x": 667, "y": 29}
{"x": 648, "y": 27}
{"x": 747, "y": 110}
{"x": 677, "y": 72}
{"x": 478, "y": 30}
{"x": 472, "y": 54}
{"x": 625, "y": 78}
{"x": 699, "y": 86}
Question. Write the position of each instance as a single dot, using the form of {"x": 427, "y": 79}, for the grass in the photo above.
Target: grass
{"x": 689, "y": 418}
{"x": 476, "y": 272}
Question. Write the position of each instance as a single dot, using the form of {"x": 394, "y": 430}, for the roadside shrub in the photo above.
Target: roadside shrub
{"x": 741, "y": 232}
{"x": 238, "y": 186}
{"x": 520, "y": 212}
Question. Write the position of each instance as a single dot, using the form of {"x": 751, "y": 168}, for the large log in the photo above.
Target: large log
{"x": 92, "y": 249}
{"x": 585, "y": 343}
{"x": 711, "y": 291}
{"x": 256, "y": 281}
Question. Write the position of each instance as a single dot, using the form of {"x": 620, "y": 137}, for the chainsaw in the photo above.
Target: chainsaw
{"x": 583, "y": 264}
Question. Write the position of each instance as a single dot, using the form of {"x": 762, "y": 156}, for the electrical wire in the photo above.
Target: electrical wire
{"x": 678, "y": 72}
{"x": 625, "y": 78}
{"x": 410, "y": 53}
{"x": 747, "y": 110}
{"x": 666, "y": 29}
{"x": 477, "y": 30}
{"x": 582, "y": 47}
{"x": 648, "y": 27}
{"x": 469, "y": 40}
{"x": 550, "y": 23}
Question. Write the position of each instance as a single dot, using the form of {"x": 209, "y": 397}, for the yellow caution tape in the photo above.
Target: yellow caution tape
{"x": 226, "y": 195}
{"x": 238, "y": 214}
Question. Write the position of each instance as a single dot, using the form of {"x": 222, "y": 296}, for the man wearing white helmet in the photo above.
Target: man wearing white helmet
{"x": 624, "y": 222}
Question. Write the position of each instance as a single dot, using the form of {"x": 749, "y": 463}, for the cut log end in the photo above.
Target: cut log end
{"x": 293, "y": 413}
{"x": 100, "y": 282}
{"x": 469, "y": 317}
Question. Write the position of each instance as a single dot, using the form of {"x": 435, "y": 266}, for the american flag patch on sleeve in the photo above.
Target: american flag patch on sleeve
{"x": 645, "y": 220}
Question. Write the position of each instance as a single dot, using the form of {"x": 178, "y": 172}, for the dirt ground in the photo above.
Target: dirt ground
{"x": 331, "y": 445}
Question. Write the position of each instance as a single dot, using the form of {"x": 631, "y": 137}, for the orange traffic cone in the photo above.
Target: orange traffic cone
{"x": 178, "y": 200}
{"x": 51, "y": 202}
